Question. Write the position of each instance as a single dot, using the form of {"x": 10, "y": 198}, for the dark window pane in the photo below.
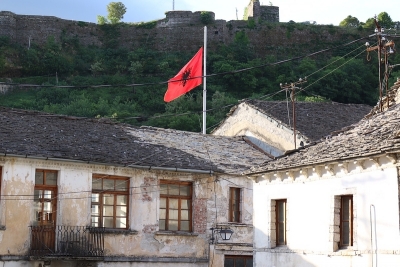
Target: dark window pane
{"x": 249, "y": 262}
{"x": 108, "y": 222}
{"x": 345, "y": 233}
{"x": 239, "y": 262}
{"x": 172, "y": 225}
{"x": 163, "y": 189}
{"x": 121, "y": 185}
{"x": 229, "y": 262}
{"x": 161, "y": 224}
{"x": 173, "y": 190}
{"x": 184, "y": 226}
{"x": 96, "y": 184}
{"x": 108, "y": 184}
{"x": 121, "y": 223}
{"x": 39, "y": 178}
{"x": 51, "y": 178}
{"x": 281, "y": 211}
{"x": 163, "y": 203}
{"x": 185, "y": 191}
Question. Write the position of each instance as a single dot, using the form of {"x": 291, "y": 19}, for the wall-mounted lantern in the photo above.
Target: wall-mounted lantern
{"x": 225, "y": 233}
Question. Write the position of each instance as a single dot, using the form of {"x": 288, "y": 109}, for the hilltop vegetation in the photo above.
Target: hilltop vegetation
{"x": 336, "y": 77}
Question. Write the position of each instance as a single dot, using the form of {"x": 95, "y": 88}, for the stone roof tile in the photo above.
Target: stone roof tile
{"x": 315, "y": 120}
{"x": 35, "y": 134}
{"x": 379, "y": 133}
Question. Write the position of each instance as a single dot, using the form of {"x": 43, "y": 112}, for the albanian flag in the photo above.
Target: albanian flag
{"x": 185, "y": 80}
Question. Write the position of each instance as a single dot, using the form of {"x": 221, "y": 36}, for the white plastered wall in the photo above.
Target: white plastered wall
{"x": 310, "y": 205}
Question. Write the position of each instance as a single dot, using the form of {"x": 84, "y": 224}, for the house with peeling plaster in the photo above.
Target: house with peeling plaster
{"x": 336, "y": 202}
{"x": 91, "y": 192}
{"x": 269, "y": 124}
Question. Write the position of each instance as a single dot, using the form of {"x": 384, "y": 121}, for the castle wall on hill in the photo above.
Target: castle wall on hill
{"x": 23, "y": 29}
{"x": 179, "y": 31}
{"x": 177, "y": 18}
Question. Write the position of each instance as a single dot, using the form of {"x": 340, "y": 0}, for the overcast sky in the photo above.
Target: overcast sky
{"x": 323, "y": 12}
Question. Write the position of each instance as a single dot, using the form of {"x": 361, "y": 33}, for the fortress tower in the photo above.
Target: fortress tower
{"x": 264, "y": 13}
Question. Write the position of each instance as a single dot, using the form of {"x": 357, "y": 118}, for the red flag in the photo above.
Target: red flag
{"x": 183, "y": 82}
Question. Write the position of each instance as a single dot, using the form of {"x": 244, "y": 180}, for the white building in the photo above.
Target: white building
{"x": 334, "y": 203}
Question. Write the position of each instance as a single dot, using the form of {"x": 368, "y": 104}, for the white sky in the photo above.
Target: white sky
{"x": 323, "y": 12}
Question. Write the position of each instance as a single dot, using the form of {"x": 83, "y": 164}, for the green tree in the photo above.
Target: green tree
{"x": 116, "y": 12}
{"x": 350, "y": 22}
{"x": 101, "y": 20}
{"x": 385, "y": 20}
{"x": 369, "y": 24}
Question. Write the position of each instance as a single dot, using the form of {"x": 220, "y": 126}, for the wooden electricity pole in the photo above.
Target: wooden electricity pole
{"x": 292, "y": 87}
{"x": 384, "y": 48}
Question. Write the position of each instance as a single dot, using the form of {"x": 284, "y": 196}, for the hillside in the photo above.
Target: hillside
{"x": 50, "y": 51}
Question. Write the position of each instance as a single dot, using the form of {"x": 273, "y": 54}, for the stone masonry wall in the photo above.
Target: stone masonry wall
{"x": 179, "y": 31}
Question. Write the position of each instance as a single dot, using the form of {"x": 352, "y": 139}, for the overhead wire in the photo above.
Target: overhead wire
{"x": 6, "y": 197}
{"x": 196, "y": 77}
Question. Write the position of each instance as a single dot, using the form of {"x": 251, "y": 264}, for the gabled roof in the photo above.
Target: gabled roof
{"x": 371, "y": 136}
{"x": 35, "y": 134}
{"x": 315, "y": 120}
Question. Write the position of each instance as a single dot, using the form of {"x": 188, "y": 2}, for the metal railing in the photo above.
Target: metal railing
{"x": 66, "y": 241}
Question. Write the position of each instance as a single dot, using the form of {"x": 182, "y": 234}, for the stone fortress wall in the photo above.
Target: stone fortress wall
{"x": 180, "y": 30}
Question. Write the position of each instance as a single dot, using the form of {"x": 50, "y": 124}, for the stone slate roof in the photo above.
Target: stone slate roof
{"x": 35, "y": 134}
{"x": 315, "y": 120}
{"x": 371, "y": 136}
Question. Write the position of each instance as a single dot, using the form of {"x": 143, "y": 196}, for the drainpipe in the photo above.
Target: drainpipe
{"x": 373, "y": 234}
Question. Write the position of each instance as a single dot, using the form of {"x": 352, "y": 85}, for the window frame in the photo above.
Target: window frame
{"x": 235, "y": 201}
{"x": 349, "y": 219}
{"x": 53, "y": 200}
{"x": 236, "y": 257}
{"x": 115, "y": 194}
{"x": 179, "y": 197}
{"x": 277, "y": 222}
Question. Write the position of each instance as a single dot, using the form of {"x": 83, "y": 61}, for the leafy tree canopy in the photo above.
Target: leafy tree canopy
{"x": 385, "y": 20}
{"x": 350, "y": 21}
{"x": 116, "y": 12}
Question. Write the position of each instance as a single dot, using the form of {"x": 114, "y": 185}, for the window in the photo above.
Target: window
{"x": 238, "y": 261}
{"x": 110, "y": 195}
{"x": 234, "y": 204}
{"x": 346, "y": 221}
{"x": 45, "y": 197}
{"x": 175, "y": 206}
{"x": 280, "y": 222}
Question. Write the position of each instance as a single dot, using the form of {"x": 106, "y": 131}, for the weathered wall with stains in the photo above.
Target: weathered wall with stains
{"x": 143, "y": 244}
{"x": 265, "y": 132}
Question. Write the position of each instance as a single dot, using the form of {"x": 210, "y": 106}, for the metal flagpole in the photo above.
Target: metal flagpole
{"x": 204, "y": 80}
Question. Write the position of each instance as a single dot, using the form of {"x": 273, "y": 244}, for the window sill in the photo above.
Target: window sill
{"x": 113, "y": 231}
{"x": 235, "y": 224}
{"x": 346, "y": 251}
{"x": 178, "y": 233}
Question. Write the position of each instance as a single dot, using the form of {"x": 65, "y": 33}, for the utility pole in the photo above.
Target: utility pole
{"x": 173, "y": 5}
{"x": 292, "y": 87}
{"x": 237, "y": 14}
{"x": 385, "y": 48}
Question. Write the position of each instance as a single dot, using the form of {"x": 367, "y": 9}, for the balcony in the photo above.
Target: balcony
{"x": 66, "y": 241}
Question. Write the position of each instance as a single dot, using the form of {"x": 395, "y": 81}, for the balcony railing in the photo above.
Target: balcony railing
{"x": 67, "y": 241}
